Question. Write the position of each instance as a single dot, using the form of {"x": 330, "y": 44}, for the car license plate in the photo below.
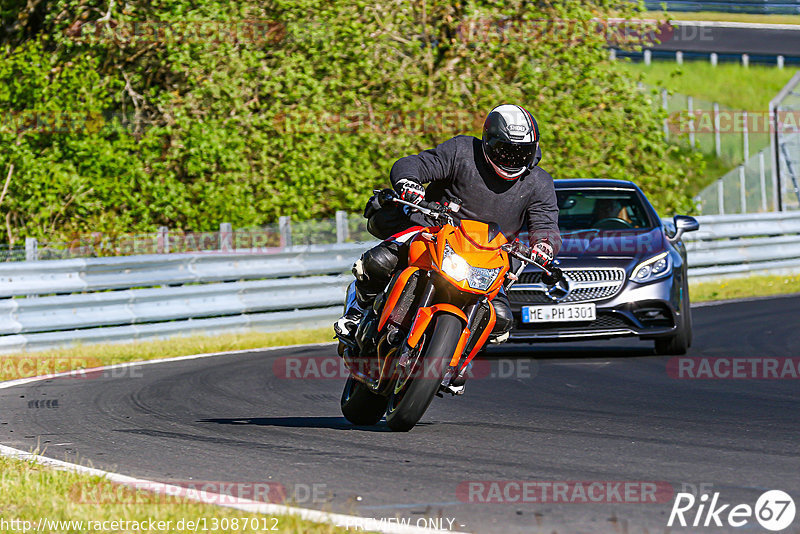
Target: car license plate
{"x": 553, "y": 313}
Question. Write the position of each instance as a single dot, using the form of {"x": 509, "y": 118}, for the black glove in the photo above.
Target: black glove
{"x": 410, "y": 191}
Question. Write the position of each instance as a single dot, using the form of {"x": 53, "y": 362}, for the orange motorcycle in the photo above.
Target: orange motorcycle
{"x": 432, "y": 319}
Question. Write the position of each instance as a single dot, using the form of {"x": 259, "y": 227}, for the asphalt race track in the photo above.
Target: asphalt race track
{"x": 731, "y": 38}
{"x": 599, "y": 412}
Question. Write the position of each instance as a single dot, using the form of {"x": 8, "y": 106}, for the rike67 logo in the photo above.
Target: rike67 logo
{"x": 774, "y": 510}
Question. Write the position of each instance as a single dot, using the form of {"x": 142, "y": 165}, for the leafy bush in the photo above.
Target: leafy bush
{"x": 243, "y": 111}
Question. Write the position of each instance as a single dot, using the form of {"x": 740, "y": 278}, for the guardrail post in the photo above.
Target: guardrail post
{"x": 745, "y": 137}
{"x": 714, "y": 58}
{"x": 679, "y": 57}
{"x": 690, "y": 105}
{"x": 717, "y": 139}
{"x": 225, "y": 237}
{"x": 745, "y": 60}
{"x": 612, "y": 54}
{"x": 285, "y": 227}
{"x": 666, "y": 120}
{"x": 162, "y": 241}
{"x": 762, "y": 176}
{"x": 780, "y": 62}
{"x": 721, "y": 196}
{"x": 31, "y": 249}
{"x": 648, "y": 56}
{"x": 742, "y": 189}
{"x": 342, "y": 230}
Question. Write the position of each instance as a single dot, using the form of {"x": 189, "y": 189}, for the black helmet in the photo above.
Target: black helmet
{"x": 510, "y": 140}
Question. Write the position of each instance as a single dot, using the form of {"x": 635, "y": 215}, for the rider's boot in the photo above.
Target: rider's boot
{"x": 348, "y": 323}
{"x": 458, "y": 384}
{"x": 497, "y": 340}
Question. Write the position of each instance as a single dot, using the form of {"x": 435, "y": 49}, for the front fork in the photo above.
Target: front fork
{"x": 425, "y": 314}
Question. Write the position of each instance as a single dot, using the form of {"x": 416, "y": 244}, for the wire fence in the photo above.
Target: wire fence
{"x": 731, "y": 135}
{"x": 785, "y": 107}
{"x": 748, "y": 188}
{"x": 762, "y": 149}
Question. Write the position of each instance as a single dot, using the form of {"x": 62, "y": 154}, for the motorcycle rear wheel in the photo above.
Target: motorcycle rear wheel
{"x": 415, "y": 391}
{"x": 360, "y": 405}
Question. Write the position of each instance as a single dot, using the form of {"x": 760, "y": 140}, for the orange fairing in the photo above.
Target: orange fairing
{"x": 423, "y": 319}
{"x": 394, "y": 294}
{"x": 455, "y": 245}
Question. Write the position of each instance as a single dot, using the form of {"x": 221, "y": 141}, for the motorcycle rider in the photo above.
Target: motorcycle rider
{"x": 496, "y": 178}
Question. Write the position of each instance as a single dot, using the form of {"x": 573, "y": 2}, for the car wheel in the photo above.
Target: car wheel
{"x": 679, "y": 342}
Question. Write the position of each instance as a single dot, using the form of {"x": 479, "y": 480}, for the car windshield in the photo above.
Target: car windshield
{"x": 600, "y": 209}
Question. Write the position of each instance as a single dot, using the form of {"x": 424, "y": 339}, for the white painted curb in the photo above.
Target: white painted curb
{"x": 356, "y": 523}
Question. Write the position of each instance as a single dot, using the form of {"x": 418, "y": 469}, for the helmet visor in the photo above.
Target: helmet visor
{"x": 511, "y": 155}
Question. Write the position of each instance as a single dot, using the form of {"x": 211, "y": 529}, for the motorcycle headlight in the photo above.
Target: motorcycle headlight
{"x": 458, "y": 269}
{"x": 482, "y": 279}
{"x": 652, "y": 269}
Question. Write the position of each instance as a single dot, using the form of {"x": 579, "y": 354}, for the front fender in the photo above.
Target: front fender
{"x": 424, "y": 317}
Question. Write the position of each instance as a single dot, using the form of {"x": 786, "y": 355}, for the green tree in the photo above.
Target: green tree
{"x": 199, "y": 112}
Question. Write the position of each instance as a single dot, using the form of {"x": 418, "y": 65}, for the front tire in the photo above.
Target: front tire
{"x": 360, "y": 405}
{"x": 680, "y": 342}
{"x": 412, "y": 395}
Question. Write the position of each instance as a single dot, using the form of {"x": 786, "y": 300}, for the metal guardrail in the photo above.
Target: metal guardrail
{"x": 744, "y": 244}
{"x": 742, "y": 6}
{"x": 51, "y": 303}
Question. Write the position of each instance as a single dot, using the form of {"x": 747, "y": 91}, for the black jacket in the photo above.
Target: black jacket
{"x": 457, "y": 168}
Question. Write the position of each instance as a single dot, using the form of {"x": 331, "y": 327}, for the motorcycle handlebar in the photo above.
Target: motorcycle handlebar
{"x": 511, "y": 250}
{"x": 436, "y": 210}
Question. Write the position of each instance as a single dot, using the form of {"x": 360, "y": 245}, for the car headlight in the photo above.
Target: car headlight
{"x": 458, "y": 269}
{"x": 652, "y": 269}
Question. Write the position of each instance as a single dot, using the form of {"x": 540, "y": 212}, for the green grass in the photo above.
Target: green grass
{"x": 31, "y": 491}
{"x": 82, "y": 357}
{"x": 734, "y": 86}
{"x": 753, "y": 286}
{"x": 726, "y": 17}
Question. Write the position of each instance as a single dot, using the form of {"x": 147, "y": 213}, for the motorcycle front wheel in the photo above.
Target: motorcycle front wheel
{"x": 360, "y": 405}
{"x": 416, "y": 386}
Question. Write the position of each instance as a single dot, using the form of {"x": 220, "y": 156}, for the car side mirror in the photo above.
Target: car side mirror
{"x": 683, "y": 224}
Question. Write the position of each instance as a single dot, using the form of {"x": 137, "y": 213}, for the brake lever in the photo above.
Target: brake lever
{"x": 435, "y": 214}
{"x": 525, "y": 260}
{"x": 425, "y": 211}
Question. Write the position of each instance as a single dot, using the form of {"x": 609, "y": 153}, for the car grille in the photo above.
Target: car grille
{"x": 586, "y": 285}
{"x": 604, "y": 321}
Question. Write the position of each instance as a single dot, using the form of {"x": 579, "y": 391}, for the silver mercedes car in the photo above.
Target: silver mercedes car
{"x": 624, "y": 272}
